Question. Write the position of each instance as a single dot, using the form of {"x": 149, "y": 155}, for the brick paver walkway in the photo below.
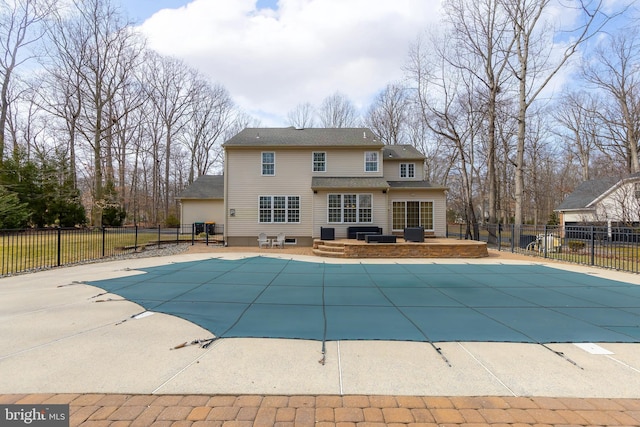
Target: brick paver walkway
{"x": 117, "y": 410}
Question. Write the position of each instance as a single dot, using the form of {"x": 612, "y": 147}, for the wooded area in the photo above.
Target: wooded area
{"x": 95, "y": 128}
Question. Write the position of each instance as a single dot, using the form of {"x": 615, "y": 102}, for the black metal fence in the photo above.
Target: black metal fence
{"x": 35, "y": 249}
{"x": 608, "y": 247}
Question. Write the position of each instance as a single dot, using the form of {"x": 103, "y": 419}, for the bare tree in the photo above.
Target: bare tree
{"x": 481, "y": 32}
{"x": 96, "y": 53}
{"x": 170, "y": 86}
{"x": 19, "y": 29}
{"x": 445, "y": 99}
{"x": 211, "y": 115}
{"x": 302, "y": 117}
{"x": 577, "y": 113}
{"x": 614, "y": 70}
{"x": 535, "y": 64}
{"x": 337, "y": 111}
{"x": 388, "y": 114}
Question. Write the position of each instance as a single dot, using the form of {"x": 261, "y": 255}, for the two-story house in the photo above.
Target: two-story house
{"x": 295, "y": 181}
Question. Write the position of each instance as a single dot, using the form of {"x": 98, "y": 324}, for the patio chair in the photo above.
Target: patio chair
{"x": 263, "y": 242}
{"x": 279, "y": 241}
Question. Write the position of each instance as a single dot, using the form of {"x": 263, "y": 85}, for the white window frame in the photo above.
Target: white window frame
{"x": 263, "y": 164}
{"x": 409, "y": 170}
{"x": 358, "y": 211}
{"x": 289, "y": 212}
{"x": 315, "y": 162}
{"x": 368, "y": 161}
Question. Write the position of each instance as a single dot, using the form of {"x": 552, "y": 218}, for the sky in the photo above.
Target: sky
{"x": 272, "y": 55}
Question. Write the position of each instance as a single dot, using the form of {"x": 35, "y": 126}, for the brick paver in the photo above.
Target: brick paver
{"x": 358, "y": 411}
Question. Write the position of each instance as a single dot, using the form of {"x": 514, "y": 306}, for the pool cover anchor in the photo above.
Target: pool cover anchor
{"x": 203, "y": 343}
{"x": 323, "y": 351}
{"x": 561, "y": 354}
{"x": 439, "y": 350}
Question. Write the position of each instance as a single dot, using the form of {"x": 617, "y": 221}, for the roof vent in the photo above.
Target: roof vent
{"x": 258, "y": 135}
{"x": 364, "y": 135}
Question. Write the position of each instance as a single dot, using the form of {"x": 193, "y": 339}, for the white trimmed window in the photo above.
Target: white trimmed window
{"x": 407, "y": 170}
{"x": 319, "y": 161}
{"x": 279, "y": 209}
{"x": 268, "y": 163}
{"x": 349, "y": 208}
{"x": 371, "y": 161}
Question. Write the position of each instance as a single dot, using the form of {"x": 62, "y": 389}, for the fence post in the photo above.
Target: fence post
{"x": 193, "y": 233}
{"x": 59, "y": 245}
{"x": 135, "y": 242}
{"x": 103, "y": 239}
{"x": 545, "y": 241}
{"x": 593, "y": 246}
{"x": 158, "y": 236}
{"x": 177, "y": 234}
{"x": 513, "y": 238}
{"x": 499, "y": 237}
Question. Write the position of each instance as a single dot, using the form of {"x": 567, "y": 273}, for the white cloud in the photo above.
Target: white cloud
{"x": 305, "y": 50}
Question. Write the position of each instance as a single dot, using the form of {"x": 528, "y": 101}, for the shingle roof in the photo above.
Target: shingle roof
{"x": 314, "y": 137}
{"x": 402, "y": 152}
{"x": 415, "y": 184}
{"x": 585, "y": 193}
{"x": 205, "y": 187}
{"x": 373, "y": 183}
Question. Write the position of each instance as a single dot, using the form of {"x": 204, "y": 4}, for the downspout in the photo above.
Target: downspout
{"x": 225, "y": 193}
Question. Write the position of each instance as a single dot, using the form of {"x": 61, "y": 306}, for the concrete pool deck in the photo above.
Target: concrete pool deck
{"x": 59, "y": 341}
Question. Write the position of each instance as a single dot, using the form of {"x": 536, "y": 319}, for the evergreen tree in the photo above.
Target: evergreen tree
{"x": 13, "y": 213}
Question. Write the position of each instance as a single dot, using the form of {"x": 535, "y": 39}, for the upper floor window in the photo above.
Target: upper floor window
{"x": 319, "y": 161}
{"x": 268, "y": 163}
{"x": 371, "y": 161}
{"x": 407, "y": 170}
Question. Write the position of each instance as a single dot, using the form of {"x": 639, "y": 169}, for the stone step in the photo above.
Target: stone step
{"x": 329, "y": 248}
{"x": 328, "y": 254}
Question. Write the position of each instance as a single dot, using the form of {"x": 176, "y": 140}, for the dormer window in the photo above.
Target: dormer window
{"x": 371, "y": 161}
{"x": 407, "y": 170}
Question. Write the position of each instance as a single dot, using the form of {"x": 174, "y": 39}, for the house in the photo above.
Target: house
{"x": 298, "y": 181}
{"x": 203, "y": 202}
{"x": 607, "y": 201}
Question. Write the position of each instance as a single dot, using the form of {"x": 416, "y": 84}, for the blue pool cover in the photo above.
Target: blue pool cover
{"x": 280, "y": 298}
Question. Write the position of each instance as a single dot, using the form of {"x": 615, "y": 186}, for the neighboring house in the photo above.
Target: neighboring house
{"x": 607, "y": 201}
{"x": 296, "y": 181}
{"x": 203, "y": 202}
